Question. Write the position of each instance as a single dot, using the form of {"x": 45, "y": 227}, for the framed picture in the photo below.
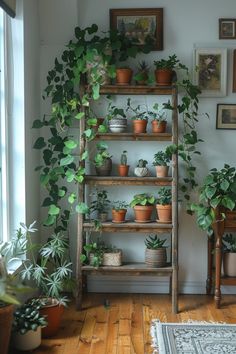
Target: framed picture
{"x": 211, "y": 73}
{"x": 139, "y": 25}
{"x": 234, "y": 71}
{"x": 226, "y": 116}
{"x": 227, "y": 28}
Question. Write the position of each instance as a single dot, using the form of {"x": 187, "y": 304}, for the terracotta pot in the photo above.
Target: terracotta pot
{"x": 28, "y": 341}
{"x": 139, "y": 126}
{"x": 159, "y": 127}
{"x": 164, "y": 77}
{"x": 155, "y": 258}
{"x": 143, "y": 213}
{"x": 164, "y": 213}
{"x": 229, "y": 264}
{"x": 105, "y": 169}
{"x": 162, "y": 171}
{"x": 53, "y": 312}
{"x": 6, "y": 317}
{"x": 118, "y": 215}
{"x": 123, "y": 76}
{"x": 123, "y": 170}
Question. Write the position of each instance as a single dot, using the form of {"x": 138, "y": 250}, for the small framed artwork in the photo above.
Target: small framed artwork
{"x": 211, "y": 73}
{"x": 226, "y": 116}
{"x": 227, "y": 28}
{"x": 139, "y": 25}
{"x": 234, "y": 71}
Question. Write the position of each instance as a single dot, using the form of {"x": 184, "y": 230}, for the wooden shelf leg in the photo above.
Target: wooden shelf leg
{"x": 175, "y": 291}
{"x": 218, "y": 256}
{"x": 209, "y": 265}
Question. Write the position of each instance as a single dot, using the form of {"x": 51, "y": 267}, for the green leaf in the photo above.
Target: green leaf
{"x": 50, "y": 220}
{"x": 53, "y": 210}
{"x": 224, "y": 185}
{"x": 44, "y": 179}
{"x": 66, "y": 160}
{"x": 84, "y": 155}
{"x": 71, "y": 144}
{"x": 61, "y": 193}
{"x": 71, "y": 198}
{"x": 210, "y": 191}
{"x": 70, "y": 176}
{"x": 79, "y": 115}
{"x": 39, "y": 143}
{"x": 228, "y": 203}
{"x": 82, "y": 208}
{"x": 95, "y": 90}
{"x": 37, "y": 124}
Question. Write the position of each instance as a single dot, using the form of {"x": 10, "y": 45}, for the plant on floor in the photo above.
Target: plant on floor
{"x": 217, "y": 193}
{"x": 154, "y": 242}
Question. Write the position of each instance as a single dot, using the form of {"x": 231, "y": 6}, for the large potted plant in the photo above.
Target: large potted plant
{"x": 164, "y": 206}
{"x": 229, "y": 255}
{"x": 143, "y": 205}
{"x": 51, "y": 271}
{"x": 102, "y": 160}
{"x": 158, "y": 116}
{"x": 119, "y": 210}
{"x": 27, "y": 325}
{"x": 155, "y": 253}
{"x": 139, "y": 117}
{"x": 165, "y": 70}
{"x": 161, "y": 161}
{"x": 100, "y": 204}
{"x": 217, "y": 197}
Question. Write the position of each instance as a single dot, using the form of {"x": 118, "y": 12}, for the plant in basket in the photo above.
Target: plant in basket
{"x": 159, "y": 119}
{"x": 119, "y": 210}
{"x": 143, "y": 206}
{"x": 99, "y": 254}
{"x": 139, "y": 117}
{"x": 155, "y": 253}
{"x": 164, "y": 205}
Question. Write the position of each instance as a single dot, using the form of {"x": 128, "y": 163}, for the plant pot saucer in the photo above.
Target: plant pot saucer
{"x": 143, "y": 221}
{"x": 164, "y": 222}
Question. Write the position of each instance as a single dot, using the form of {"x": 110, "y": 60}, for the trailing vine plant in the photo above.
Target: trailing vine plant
{"x": 63, "y": 163}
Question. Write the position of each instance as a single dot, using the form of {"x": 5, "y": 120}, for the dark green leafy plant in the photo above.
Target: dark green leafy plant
{"x": 142, "y": 199}
{"x": 114, "y": 112}
{"x": 153, "y": 243}
{"x": 164, "y": 196}
{"x": 94, "y": 252}
{"x": 142, "y": 163}
{"x": 217, "y": 192}
{"x": 229, "y": 243}
{"x": 169, "y": 63}
{"x": 100, "y": 202}
{"x": 102, "y": 154}
{"x": 158, "y": 113}
{"x": 119, "y": 205}
{"x": 137, "y": 112}
{"x": 142, "y": 72}
{"x": 28, "y": 318}
{"x": 161, "y": 158}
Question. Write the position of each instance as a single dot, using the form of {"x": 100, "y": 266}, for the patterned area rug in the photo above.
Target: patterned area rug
{"x": 193, "y": 338}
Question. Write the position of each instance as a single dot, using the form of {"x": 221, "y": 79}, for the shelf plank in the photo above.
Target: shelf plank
{"x": 228, "y": 280}
{"x": 129, "y": 269}
{"x": 130, "y": 227}
{"x": 137, "y": 181}
{"x": 135, "y": 90}
{"x": 135, "y": 137}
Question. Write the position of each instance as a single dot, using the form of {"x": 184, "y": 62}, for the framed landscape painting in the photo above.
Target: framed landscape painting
{"x": 139, "y": 25}
{"x": 211, "y": 73}
{"x": 226, "y": 116}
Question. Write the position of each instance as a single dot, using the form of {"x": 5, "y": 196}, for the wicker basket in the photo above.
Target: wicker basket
{"x": 112, "y": 258}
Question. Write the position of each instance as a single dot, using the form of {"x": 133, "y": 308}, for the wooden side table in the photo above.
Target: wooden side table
{"x": 215, "y": 243}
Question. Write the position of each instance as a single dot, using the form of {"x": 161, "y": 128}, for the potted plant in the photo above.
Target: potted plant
{"x": 102, "y": 160}
{"x": 119, "y": 210}
{"x": 116, "y": 118}
{"x": 155, "y": 253}
{"x": 164, "y": 206}
{"x": 217, "y": 197}
{"x": 158, "y": 117}
{"x": 27, "y": 325}
{"x": 100, "y": 204}
{"x": 165, "y": 70}
{"x": 98, "y": 254}
{"x": 139, "y": 118}
{"x": 229, "y": 255}
{"x": 143, "y": 207}
{"x": 160, "y": 161}
{"x": 141, "y": 77}
{"x": 123, "y": 168}
{"x": 141, "y": 170}
{"x": 123, "y": 75}
{"x": 51, "y": 271}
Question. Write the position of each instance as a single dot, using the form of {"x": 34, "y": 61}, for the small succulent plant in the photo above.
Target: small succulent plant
{"x": 123, "y": 158}
{"x": 154, "y": 242}
{"x": 142, "y": 163}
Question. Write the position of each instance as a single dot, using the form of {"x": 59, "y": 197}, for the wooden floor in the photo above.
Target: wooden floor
{"x": 122, "y": 325}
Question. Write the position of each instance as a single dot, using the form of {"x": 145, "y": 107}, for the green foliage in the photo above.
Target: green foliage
{"x": 100, "y": 202}
{"x": 119, "y": 205}
{"x": 158, "y": 113}
{"x": 161, "y": 158}
{"x": 94, "y": 251}
{"x": 114, "y": 112}
{"x": 102, "y": 154}
{"x": 142, "y": 199}
{"x": 154, "y": 243}
{"x": 123, "y": 158}
{"x": 137, "y": 111}
{"x": 28, "y": 318}
{"x": 142, "y": 163}
{"x": 170, "y": 63}
{"x": 217, "y": 192}
{"x": 229, "y": 243}
{"x": 164, "y": 196}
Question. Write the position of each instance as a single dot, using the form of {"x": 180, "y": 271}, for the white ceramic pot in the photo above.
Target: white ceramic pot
{"x": 28, "y": 341}
{"x": 229, "y": 264}
{"x": 141, "y": 171}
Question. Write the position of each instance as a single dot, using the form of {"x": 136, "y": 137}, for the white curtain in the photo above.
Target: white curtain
{"x": 9, "y": 6}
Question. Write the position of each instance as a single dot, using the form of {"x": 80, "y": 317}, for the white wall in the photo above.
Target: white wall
{"x": 186, "y": 23}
